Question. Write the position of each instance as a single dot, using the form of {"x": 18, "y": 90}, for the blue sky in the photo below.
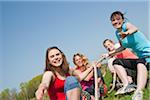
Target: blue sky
{"x": 27, "y": 29}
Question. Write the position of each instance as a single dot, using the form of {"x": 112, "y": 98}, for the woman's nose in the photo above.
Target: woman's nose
{"x": 56, "y": 58}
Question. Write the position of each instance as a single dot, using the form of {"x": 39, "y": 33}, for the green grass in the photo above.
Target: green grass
{"x": 111, "y": 96}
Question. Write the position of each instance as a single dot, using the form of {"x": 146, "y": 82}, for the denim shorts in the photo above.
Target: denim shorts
{"x": 71, "y": 82}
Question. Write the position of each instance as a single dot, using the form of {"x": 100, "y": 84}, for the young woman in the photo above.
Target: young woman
{"x": 57, "y": 79}
{"x": 130, "y": 37}
{"x": 81, "y": 65}
{"x": 130, "y": 70}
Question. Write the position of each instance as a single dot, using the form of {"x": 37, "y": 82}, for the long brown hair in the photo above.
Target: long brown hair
{"x": 64, "y": 65}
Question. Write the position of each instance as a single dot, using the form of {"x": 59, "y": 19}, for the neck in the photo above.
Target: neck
{"x": 59, "y": 70}
{"x": 120, "y": 29}
{"x": 82, "y": 68}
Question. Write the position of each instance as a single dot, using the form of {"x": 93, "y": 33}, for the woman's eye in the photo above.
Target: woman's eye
{"x": 51, "y": 56}
{"x": 113, "y": 20}
{"x": 57, "y": 54}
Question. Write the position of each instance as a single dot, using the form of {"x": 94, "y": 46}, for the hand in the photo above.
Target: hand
{"x": 123, "y": 34}
{"x": 40, "y": 92}
{"x": 105, "y": 55}
{"x": 93, "y": 64}
{"x": 99, "y": 65}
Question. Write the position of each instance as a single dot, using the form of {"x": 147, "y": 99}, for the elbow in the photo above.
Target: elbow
{"x": 136, "y": 29}
{"x": 87, "y": 79}
{"x": 79, "y": 78}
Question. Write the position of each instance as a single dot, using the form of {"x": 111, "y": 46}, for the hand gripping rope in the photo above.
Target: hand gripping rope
{"x": 96, "y": 79}
{"x": 97, "y": 95}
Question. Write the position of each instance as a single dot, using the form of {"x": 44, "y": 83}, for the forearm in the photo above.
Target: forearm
{"x": 113, "y": 53}
{"x": 43, "y": 85}
{"x": 131, "y": 31}
{"x": 89, "y": 76}
{"x": 84, "y": 74}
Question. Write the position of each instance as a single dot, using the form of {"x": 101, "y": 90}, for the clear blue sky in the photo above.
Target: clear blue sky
{"x": 27, "y": 29}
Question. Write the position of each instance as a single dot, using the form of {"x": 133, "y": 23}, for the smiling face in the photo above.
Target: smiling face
{"x": 117, "y": 21}
{"x": 109, "y": 45}
{"x": 78, "y": 61}
{"x": 55, "y": 57}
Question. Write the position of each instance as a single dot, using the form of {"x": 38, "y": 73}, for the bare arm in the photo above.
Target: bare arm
{"x": 82, "y": 75}
{"x": 89, "y": 76}
{"x": 118, "y": 50}
{"x": 131, "y": 28}
{"x": 46, "y": 79}
{"x": 113, "y": 53}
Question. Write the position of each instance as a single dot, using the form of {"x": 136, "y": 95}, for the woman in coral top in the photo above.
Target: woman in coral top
{"x": 57, "y": 80}
{"x": 129, "y": 69}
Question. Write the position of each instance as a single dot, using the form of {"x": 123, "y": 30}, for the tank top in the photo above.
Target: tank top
{"x": 137, "y": 42}
{"x": 86, "y": 84}
{"x": 56, "y": 89}
{"x": 126, "y": 54}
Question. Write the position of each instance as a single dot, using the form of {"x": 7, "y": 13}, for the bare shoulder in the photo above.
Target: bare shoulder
{"x": 49, "y": 74}
{"x": 75, "y": 72}
{"x": 128, "y": 24}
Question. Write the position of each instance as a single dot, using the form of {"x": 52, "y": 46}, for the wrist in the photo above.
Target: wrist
{"x": 109, "y": 54}
{"x": 128, "y": 32}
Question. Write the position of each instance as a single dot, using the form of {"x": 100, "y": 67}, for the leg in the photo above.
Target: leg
{"x": 72, "y": 88}
{"x": 141, "y": 76}
{"x": 141, "y": 81}
{"x": 132, "y": 75}
{"x": 122, "y": 74}
{"x": 120, "y": 65}
{"x": 110, "y": 65}
{"x": 73, "y": 94}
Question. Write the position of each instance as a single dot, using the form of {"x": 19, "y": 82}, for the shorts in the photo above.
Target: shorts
{"x": 148, "y": 66}
{"x": 71, "y": 82}
{"x": 129, "y": 63}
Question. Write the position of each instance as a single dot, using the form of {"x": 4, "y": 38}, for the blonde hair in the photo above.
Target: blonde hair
{"x": 84, "y": 59}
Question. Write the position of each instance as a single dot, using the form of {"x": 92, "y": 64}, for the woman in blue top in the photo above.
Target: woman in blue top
{"x": 130, "y": 37}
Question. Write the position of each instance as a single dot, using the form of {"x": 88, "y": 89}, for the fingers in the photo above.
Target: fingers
{"x": 40, "y": 92}
{"x": 98, "y": 65}
{"x": 39, "y": 95}
{"x": 105, "y": 55}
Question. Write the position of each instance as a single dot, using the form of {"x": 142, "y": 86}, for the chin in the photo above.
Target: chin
{"x": 57, "y": 65}
{"x": 117, "y": 27}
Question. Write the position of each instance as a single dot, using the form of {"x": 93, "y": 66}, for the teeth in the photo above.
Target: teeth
{"x": 56, "y": 61}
